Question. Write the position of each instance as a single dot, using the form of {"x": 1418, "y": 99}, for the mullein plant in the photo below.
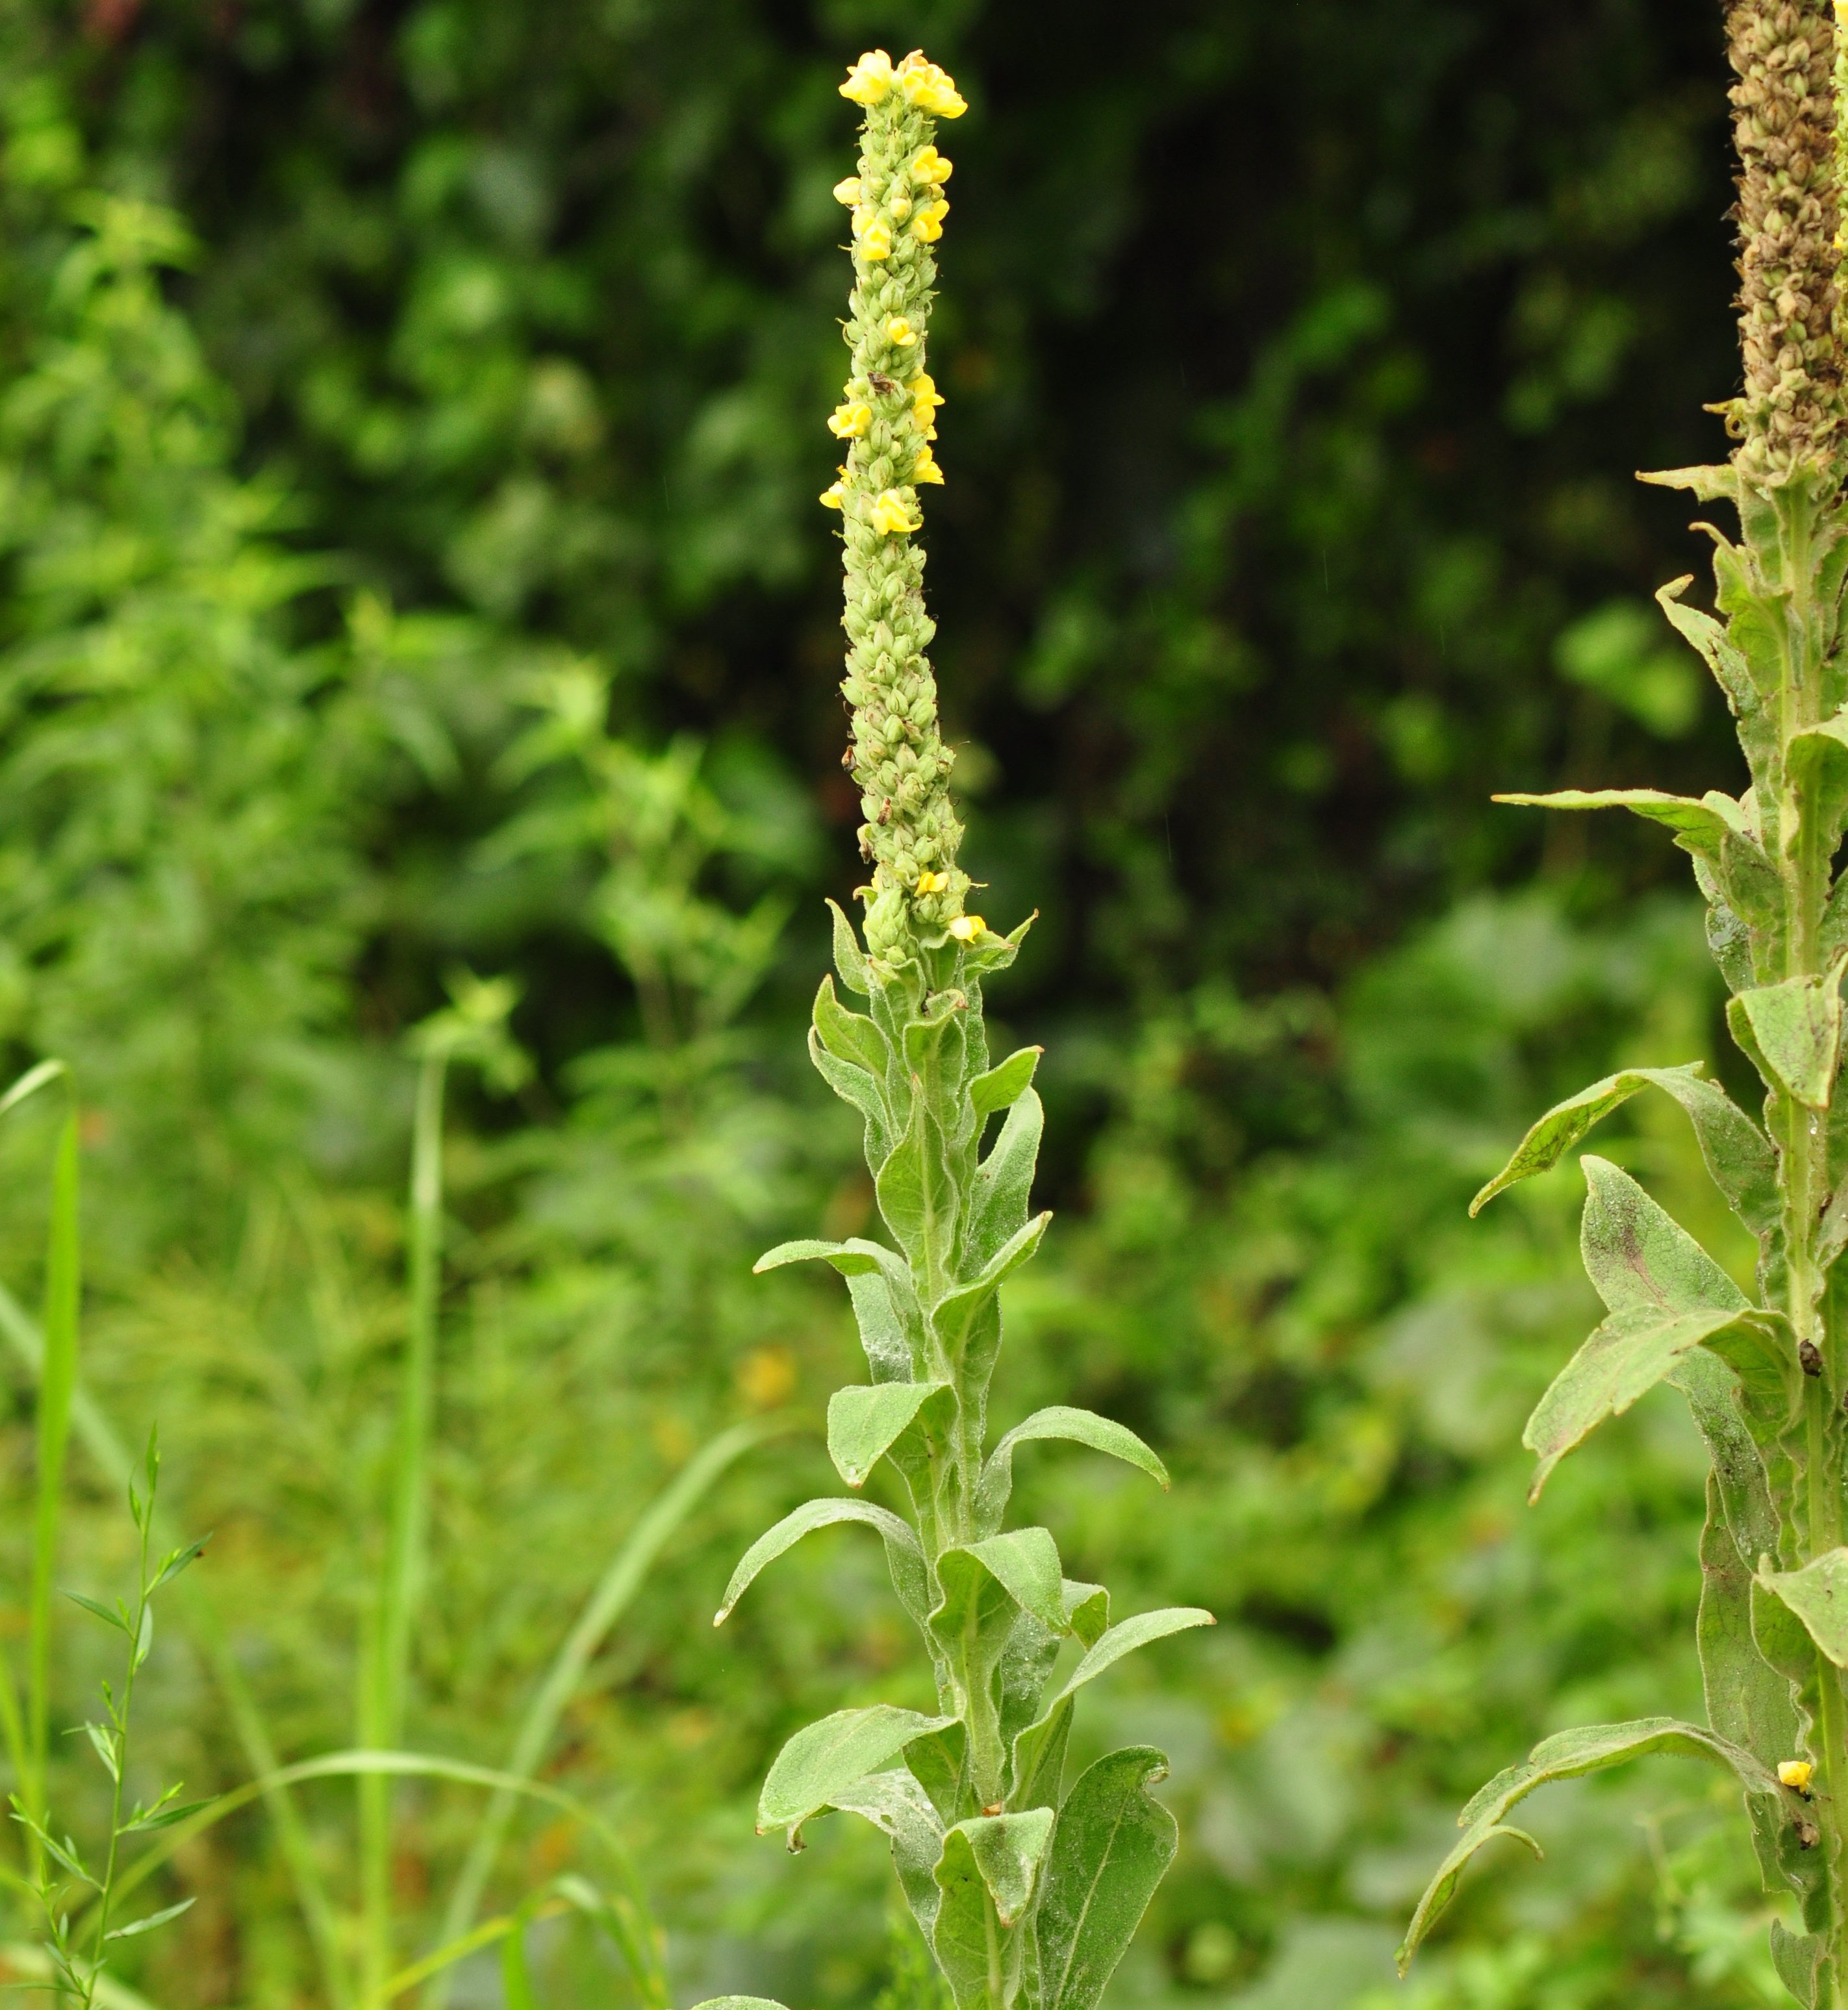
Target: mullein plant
{"x": 1766, "y": 1376}
{"x": 1026, "y": 1890}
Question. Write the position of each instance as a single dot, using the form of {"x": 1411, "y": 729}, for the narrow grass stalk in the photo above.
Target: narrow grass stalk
{"x": 101, "y": 1442}
{"x": 385, "y": 1679}
{"x": 627, "y": 1571}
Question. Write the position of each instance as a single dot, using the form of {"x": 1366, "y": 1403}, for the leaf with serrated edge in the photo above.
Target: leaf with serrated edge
{"x": 1074, "y": 1427}
{"x": 825, "y": 1759}
{"x": 863, "y": 1423}
{"x": 1111, "y": 1847}
{"x": 1567, "y": 1756}
{"x": 1818, "y": 1594}
{"x": 903, "y": 1555}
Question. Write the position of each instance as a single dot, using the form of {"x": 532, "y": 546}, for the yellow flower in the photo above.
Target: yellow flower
{"x": 1797, "y": 1772}
{"x": 923, "y": 386}
{"x": 875, "y": 237}
{"x": 931, "y": 170}
{"x": 834, "y": 496}
{"x": 869, "y": 79}
{"x": 900, "y": 332}
{"x": 965, "y": 927}
{"x": 850, "y": 421}
{"x": 849, "y": 191}
{"x": 891, "y": 514}
{"x": 927, "y": 469}
{"x": 900, "y": 206}
{"x": 927, "y": 225}
{"x": 929, "y": 88}
{"x": 936, "y": 883}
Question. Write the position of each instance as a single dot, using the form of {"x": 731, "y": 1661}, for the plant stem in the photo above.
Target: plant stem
{"x": 118, "y": 1728}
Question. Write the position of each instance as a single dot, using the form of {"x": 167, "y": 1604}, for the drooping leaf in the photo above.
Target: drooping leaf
{"x": 863, "y": 1423}
{"x": 1111, "y": 1846}
{"x": 1008, "y": 1850}
{"x": 1700, "y": 827}
{"x": 1738, "y": 1155}
{"x": 1087, "y": 1610}
{"x": 902, "y": 1555}
{"x": 882, "y": 1335}
{"x": 939, "y": 1764}
{"x": 1817, "y": 1593}
{"x": 1714, "y": 1394}
{"x": 1567, "y": 1756}
{"x": 851, "y": 1260}
{"x": 1710, "y": 639}
{"x": 1002, "y": 1084}
{"x": 902, "y": 1811}
{"x": 1792, "y": 1031}
{"x": 1624, "y": 1358}
{"x": 850, "y": 958}
{"x": 1060, "y": 1421}
{"x": 823, "y": 1760}
{"x": 1026, "y": 1560}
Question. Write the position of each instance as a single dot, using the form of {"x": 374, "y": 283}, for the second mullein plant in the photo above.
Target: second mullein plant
{"x": 1766, "y": 1375}
{"x": 1026, "y": 1890}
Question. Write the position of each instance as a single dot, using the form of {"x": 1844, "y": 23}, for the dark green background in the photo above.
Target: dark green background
{"x": 1298, "y": 358}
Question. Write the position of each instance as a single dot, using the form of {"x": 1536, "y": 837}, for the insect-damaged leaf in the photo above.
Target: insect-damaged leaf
{"x": 863, "y": 1423}
{"x": 1566, "y": 1755}
{"x": 902, "y": 1555}
{"x": 1738, "y": 1154}
{"x": 1111, "y": 1846}
{"x": 1792, "y": 1031}
{"x": 825, "y": 1759}
{"x": 1060, "y": 1421}
{"x": 1818, "y": 1594}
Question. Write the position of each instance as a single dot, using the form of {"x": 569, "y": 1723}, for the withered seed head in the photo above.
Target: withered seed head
{"x": 1790, "y": 413}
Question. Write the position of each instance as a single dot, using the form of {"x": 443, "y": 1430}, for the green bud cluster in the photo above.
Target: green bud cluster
{"x": 911, "y": 833}
{"x": 1790, "y": 412}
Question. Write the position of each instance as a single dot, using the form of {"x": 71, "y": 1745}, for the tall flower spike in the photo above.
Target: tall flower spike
{"x": 911, "y": 833}
{"x": 1791, "y": 410}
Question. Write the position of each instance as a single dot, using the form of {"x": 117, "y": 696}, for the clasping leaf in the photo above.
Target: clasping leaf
{"x": 826, "y": 1758}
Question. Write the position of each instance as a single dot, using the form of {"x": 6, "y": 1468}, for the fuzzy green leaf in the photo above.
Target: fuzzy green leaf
{"x": 1087, "y": 1610}
{"x": 850, "y": 1259}
{"x": 882, "y": 1335}
{"x": 153, "y": 1919}
{"x": 1710, "y": 639}
{"x": 1567, "y": 1756}
{"x": 1111, "y": 1845}
{"x": 1639, "y": 1257}
{"x": 980, "y": 1958}
{"x": 863, "y": 1423}
{"x": 1624, "y": 1358}
{"x": 1039, "y": 1758}
{"x": 864, "y": 1092}
{"x": 1002, "y": 1085}
{"x": 1817, "y": 763}
{"x": 825, "y": 1759}
{"x": 959, "y": 1311}
{"x": 849, "y": 1036}
{"x": 739, "y": 2002}
{"x": 1026, "y": 1560}
{"x": 850, "y": 958}
{"x": 1060, "y": 1421}
{"x": 1002, "y": 1183}
{"x": 1008, "y": 1850}
{"x": 1793, "y": 1032}
{"x": 901, "y": 1809}
{"x": 903, "y": 1555}
{"x": 1801, "y": 1961}
{"x": 916, "y": 1186}
{"x": 1818, "y": 1594}
{"x": 1738, "y": 1155}
{"x": 1700, "y": 827}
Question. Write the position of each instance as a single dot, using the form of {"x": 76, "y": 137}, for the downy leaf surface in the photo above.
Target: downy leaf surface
{"x": 1793, "y": 1032}
{"x": 1110, "y": 1845}
{"x": 1060, "y": 1421}
{"x": 902, "y": 1555}
{"x": 864, "y": 1422}
{"x": 823, "y": 1760}
{"x": 1817, "y": 1593}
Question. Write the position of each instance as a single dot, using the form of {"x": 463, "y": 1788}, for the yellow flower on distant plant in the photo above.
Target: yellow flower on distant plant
{"x": 900, "y": 332}
{"x": 874, "y": 237}
{"x": 932, "y": 883}
{"x": 928, "y": 86}
{"x": 849, "y": 191}
{"x": 927, "y": 469}
{"x": 892, "y": 515}
{"x": 850, "y": 421}
{"x": 834, "y": 496}
{"x": 930, "y": 169}
{"x": 870, "y": 79}
{"x": 965, "y": 927}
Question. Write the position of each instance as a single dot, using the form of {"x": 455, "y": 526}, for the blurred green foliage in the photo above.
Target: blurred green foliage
{"x": 410, "y": 422}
